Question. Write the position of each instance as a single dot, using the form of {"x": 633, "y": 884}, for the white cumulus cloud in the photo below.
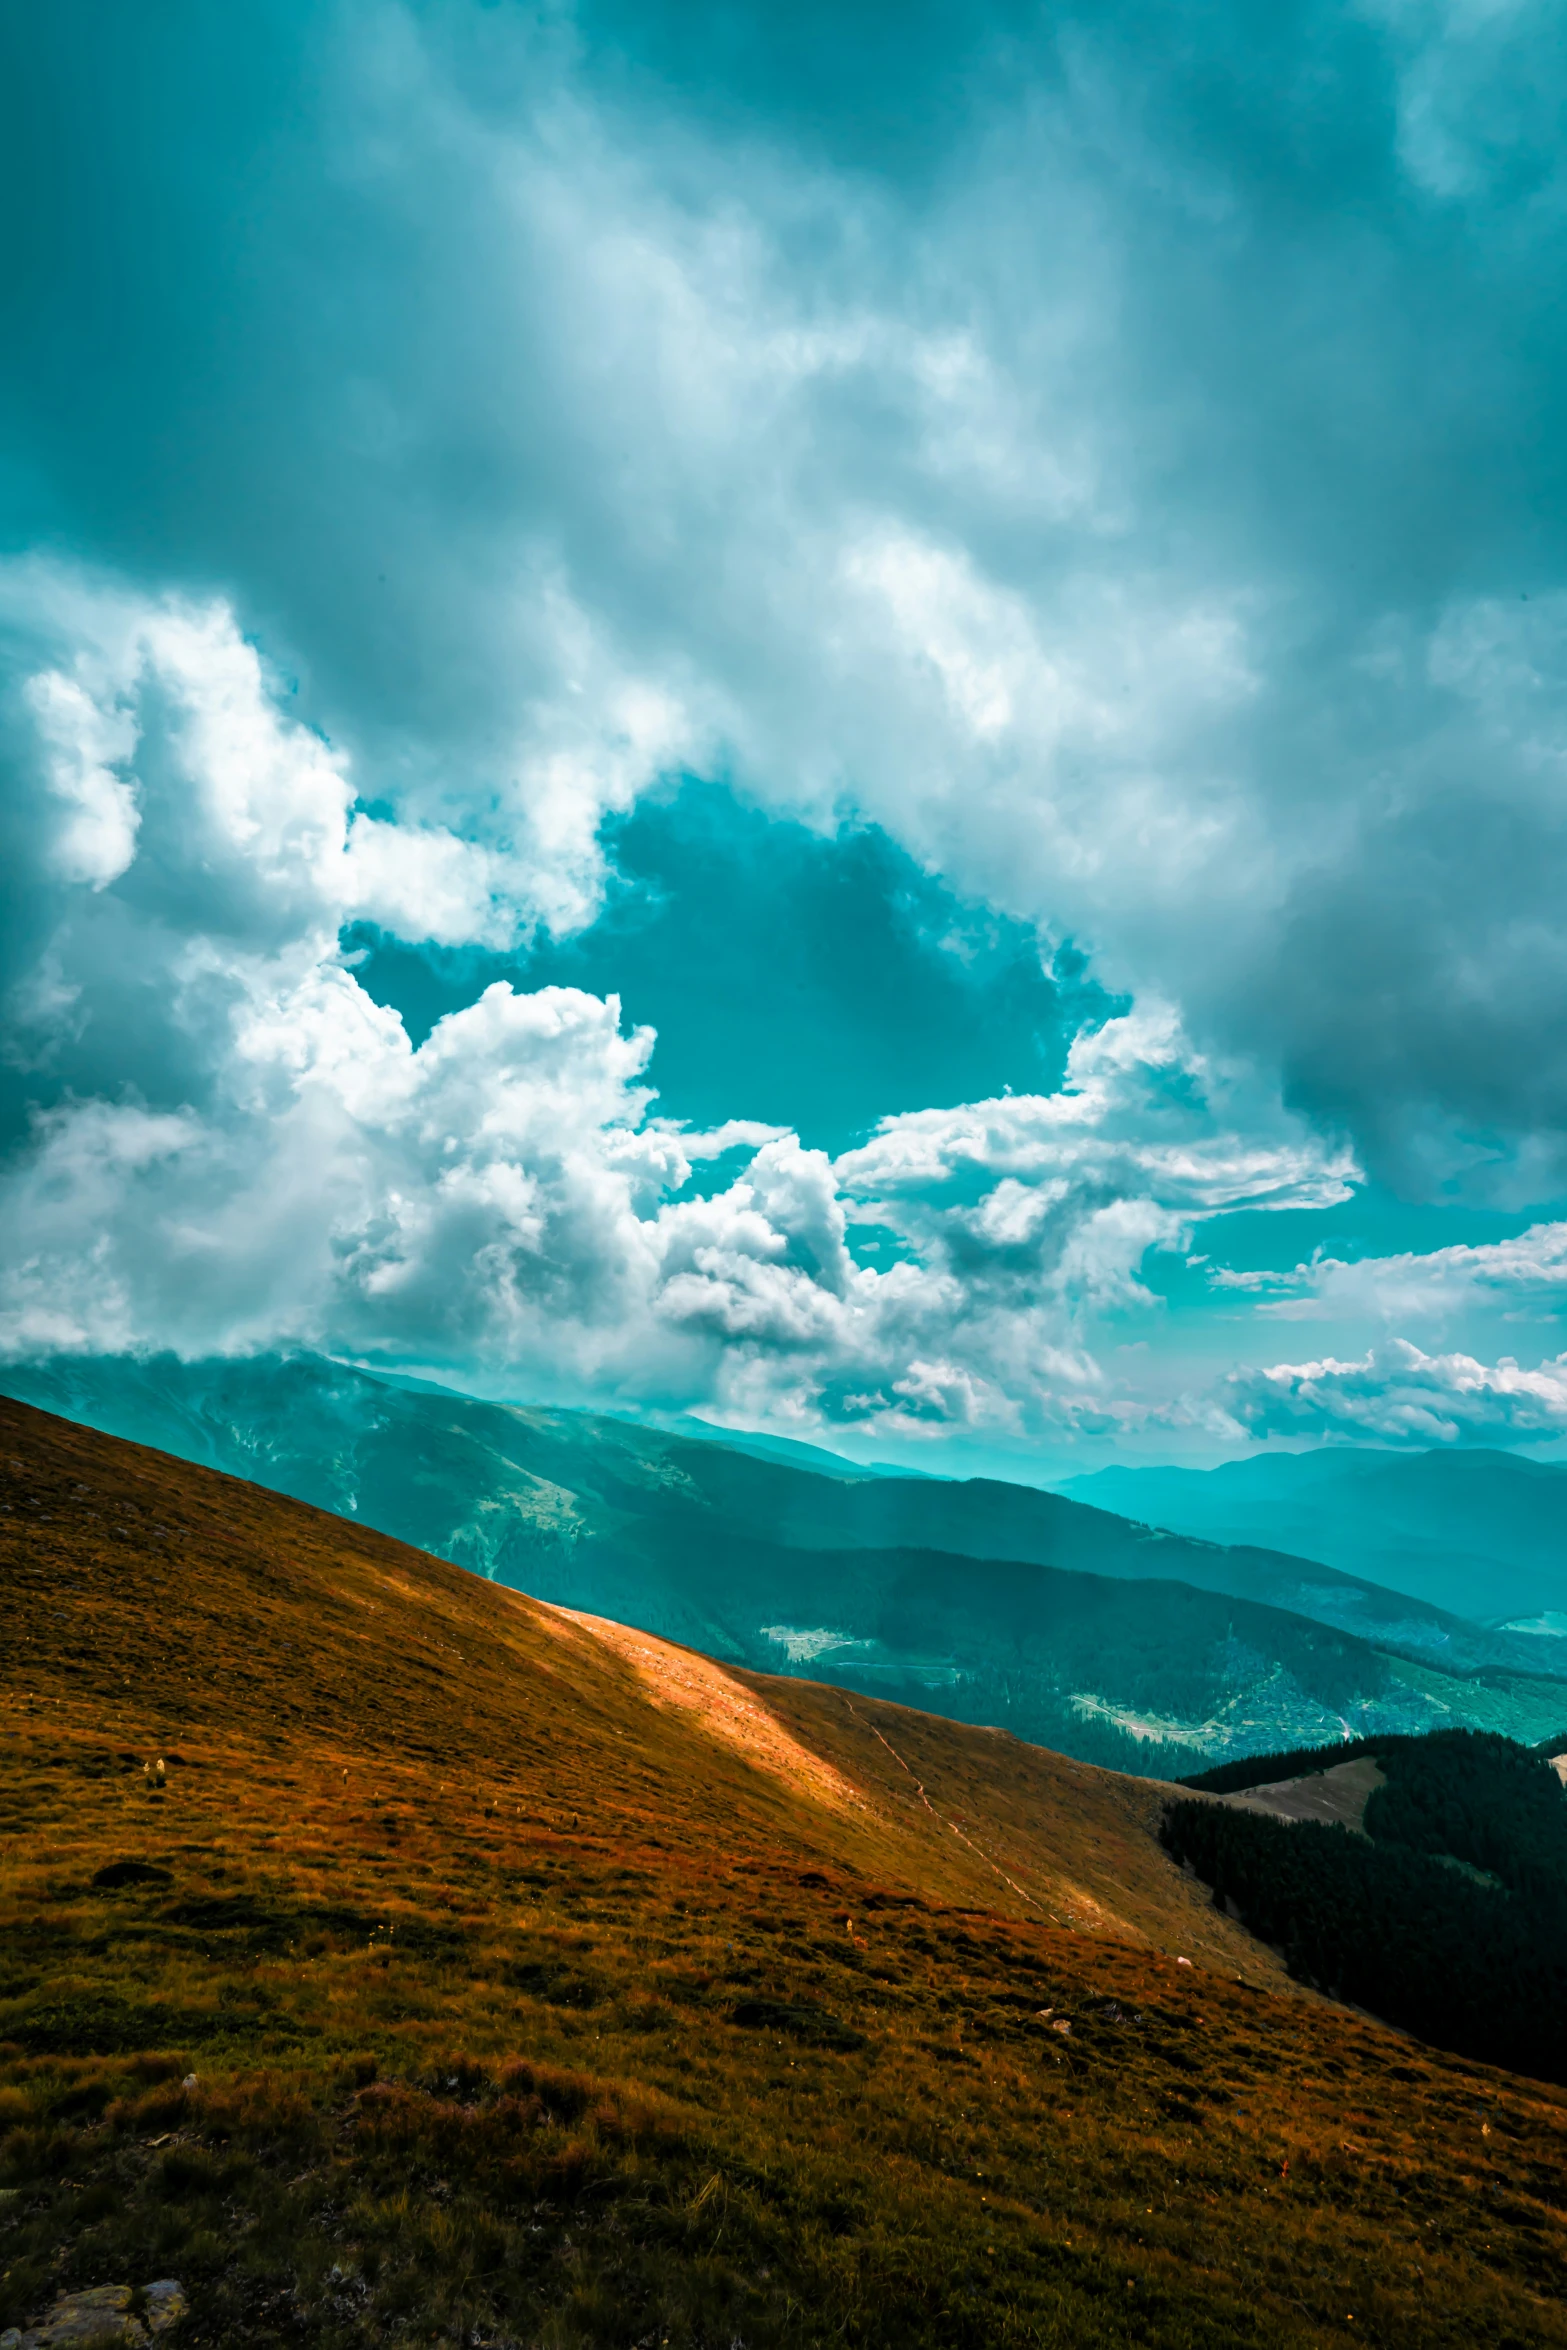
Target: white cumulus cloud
{"x": 258, "y": 1155}
{"x": 1397, "y": 1395}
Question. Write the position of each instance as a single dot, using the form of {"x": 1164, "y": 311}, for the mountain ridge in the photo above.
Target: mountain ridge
{"x": 1073, "y": 1628}
{"x": 1478, "y": 1532}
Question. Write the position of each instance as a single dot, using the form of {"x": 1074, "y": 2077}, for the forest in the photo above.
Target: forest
{"x": 1446, "y": 1916}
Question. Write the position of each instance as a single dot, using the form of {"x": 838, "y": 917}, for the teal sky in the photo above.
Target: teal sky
{"x": 853, "y": 719}
{"x": 816, "y": 982}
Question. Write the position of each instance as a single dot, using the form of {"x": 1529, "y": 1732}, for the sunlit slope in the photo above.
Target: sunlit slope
{"x": 244, "y": 1610}
{"x": 181, "y": 1605}
{"x": 988, "y": 1603}
{"x": 472, "y": 1970}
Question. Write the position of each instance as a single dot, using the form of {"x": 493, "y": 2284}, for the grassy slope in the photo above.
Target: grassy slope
{"x": 462, "y": 1900}
{"x": 707, "y": 1545}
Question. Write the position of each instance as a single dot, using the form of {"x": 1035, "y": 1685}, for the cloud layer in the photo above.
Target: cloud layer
{"x": 1147, "y": 506}
{"x": 1117, "y": 459}
{"x": 501, "y": 1198}
{"x": 1397, "y": 1395}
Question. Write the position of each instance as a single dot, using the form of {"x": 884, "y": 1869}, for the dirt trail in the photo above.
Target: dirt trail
{"x": 919, "y": 1788}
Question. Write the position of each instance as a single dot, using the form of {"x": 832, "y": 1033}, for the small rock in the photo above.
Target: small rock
{"x": 189, "y": 2081}
{"x": 165, "y": 2304}
{"x": 99, "y": 2319}
{"x": 11, "y": 2339}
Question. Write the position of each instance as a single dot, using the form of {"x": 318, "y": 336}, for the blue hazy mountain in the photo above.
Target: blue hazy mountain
{"x": 984, "y": 1601}
{"x": 1480, "y": 1534}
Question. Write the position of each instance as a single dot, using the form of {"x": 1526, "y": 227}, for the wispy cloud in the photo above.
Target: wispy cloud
{"x": 1530, "y": 1268}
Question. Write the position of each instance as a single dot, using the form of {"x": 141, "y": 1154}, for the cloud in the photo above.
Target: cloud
{"x": 1127, "y": 479}
{"x": 501, "y": 1201}
{"x": 1528, "y": 1269}
{"x": 150, "y": 732}
{"x": 1397, "y": 1395}
{"x": 86, "y": 745}
{"x": 1118, "y": 467}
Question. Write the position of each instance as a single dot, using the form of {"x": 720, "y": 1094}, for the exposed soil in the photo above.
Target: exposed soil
{"x": 1337, "y": 1797}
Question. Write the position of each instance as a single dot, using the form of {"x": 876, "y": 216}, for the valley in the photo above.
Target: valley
{"x": 1093, "y": 1634}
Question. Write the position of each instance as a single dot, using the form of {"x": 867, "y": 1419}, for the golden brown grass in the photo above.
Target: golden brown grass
{"x": 528, "y": 2003}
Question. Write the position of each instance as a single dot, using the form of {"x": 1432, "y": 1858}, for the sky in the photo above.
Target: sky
{"x": 849, "y": 718}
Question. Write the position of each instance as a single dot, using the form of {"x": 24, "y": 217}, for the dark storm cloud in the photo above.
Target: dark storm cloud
{"x": 1113, "y": 461}
{"x": 390, "y": 323}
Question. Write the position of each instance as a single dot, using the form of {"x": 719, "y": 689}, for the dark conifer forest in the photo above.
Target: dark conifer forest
{"x": 1447, "y": 1916}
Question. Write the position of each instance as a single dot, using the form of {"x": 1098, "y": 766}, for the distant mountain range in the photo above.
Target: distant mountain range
{"x": 986, "y": 1602}
{"x": 1480, "y": 1534}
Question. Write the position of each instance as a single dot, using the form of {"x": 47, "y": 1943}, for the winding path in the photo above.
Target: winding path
{"x": 919, "y": 1789}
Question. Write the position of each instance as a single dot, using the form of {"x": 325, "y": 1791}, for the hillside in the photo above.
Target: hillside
{"x": 1425, "y": 1878}
{"x": 1480, "y": 1533}
{"x": 982, "y": 1601}
{"x": 472, "y": 1972}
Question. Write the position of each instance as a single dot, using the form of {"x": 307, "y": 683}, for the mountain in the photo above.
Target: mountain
{"x": 986, "y": 1602}
{"x": 787, "y": 1449}
{"x": 386, "y": 1956}
{"x": 1481, "y": 1534}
